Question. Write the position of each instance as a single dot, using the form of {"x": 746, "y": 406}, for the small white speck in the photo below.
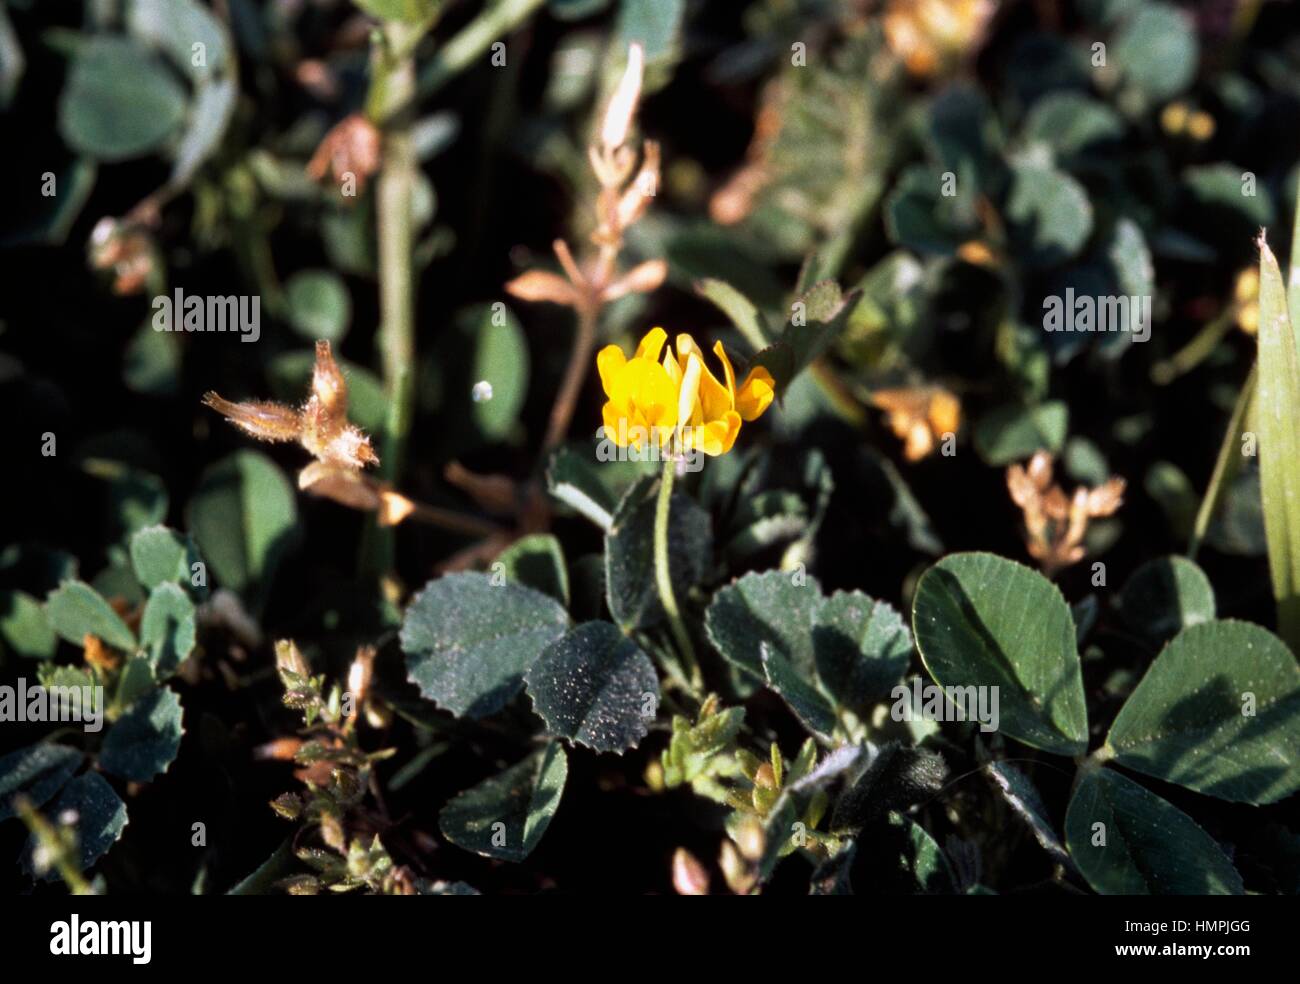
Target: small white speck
{"x": 482, "y": 391}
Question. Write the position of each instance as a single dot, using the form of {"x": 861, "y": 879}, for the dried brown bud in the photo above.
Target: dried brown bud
{"x": 539, "y": 285}
{"x": 352, "y": 147}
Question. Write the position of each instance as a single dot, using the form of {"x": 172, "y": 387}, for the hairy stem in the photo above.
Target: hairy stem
{"x": 663, "y": 578}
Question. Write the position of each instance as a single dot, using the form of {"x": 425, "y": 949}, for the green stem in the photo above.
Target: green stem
{"x": 63, "y": 855}
{"x": 474, "y": 39}
{"x": 663, "y": 577}
{"x": 1191, "y": 355}
{"x": 391, "y": 99}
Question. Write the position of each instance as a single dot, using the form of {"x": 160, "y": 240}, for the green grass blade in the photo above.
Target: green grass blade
{"x": 1226, "y": 465}
{"x": 1278, "y": 419}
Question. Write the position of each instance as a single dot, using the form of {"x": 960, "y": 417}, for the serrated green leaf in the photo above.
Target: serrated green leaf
{"x": 920, "y": 216}
{"x": 776, "y": 608}
{"x": 144, "y": 741}
{"x": 160, "y": 554}
{"x": 504, "y": 817}
{"x": 861, "y": 646}
{"x": 595, "y": 687}
{"x": 468, "y": 641}
{"x": 1218, "y": 712}
{"x": 818, "y": 316}
{"x": 1150, "y": 847}
{"x": 984, "y": 621}
{"x": 1048, "y": 213}
{"x": 167, "y": 629}
{"x": 75, "y": 610}
{"x": 798, "y": 689}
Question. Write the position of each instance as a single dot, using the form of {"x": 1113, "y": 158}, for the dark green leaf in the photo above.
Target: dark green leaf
{"x": 629, "y": 553}
{"x": 24, "y": 627}
{"x": 100, "y": 816}
{"x": 1218, "y": 712}
{"x": 898, "y": 778}
{"x": 1013, "y": 433}
{"x": 75, "y": 610}
{"x": 1022, "y": 796}
{"x": 1048, "y": 214}
{"x": 504, "y": 817}
{"x": 469, "y": 638}
{"x": 1165, "y": 596}
{"x": 776, "y": 608}
{"x": 243, "y": 517}
{"x": 537, "y": 561}
{"x": 167, "y": 629}
{"x": 119, "y": 101}
{"x": 862, "y": 648}
{"x": 145, "y": 740}
{"x": 36, "y": 772}
{"x": 798, "y": 689}
{"x": 594, "y": 686}
{"x": 1144, "y": 845}
{"x": 985, "y": 621}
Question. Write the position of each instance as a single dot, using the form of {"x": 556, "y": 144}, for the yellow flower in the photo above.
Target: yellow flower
{"x": 711, "y": 411}
{"x": 648, "y": 397}
{"x": 642, "y": 395}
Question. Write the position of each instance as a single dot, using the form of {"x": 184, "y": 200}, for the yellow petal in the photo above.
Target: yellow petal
{"x": 727, "y": 371}
{"x": 609, "y": 361}
{"x": 689, "y": 392}
{"x": 717, "y": 436}
{"x": 756, "y": 393}
{"x": 652, "y": 344}
{"x": 616, "y": 424}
